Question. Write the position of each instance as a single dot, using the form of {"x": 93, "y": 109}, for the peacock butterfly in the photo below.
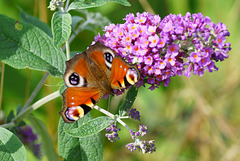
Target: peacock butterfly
{"x": 89, "y": 76}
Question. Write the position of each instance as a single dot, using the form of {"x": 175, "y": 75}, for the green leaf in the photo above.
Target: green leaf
{"x": 61, "y": 27}
{"x": 19, "y": 108}
{"x": 128, "y": 101}
{"x": 11, "y": 116}
{"x": 83, "y": 4}
{"x": 91, "y": 127}
{"x": 11, "y": 148}
{"x": 62, "y": 88}
{"x": 36, "y": 22}
{"x": 94, "y": 22}
{"x": 46, "y": 141}
{"x": 26, "y": 46}
{"x": 82, "y": 149}
{"x": 97, "y": 22}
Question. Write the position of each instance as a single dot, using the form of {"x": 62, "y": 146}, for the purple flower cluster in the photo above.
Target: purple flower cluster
{"x": 144, "y": 146}
{"x": 112, "y": 135}
{"x": 28, "y": 138}
{"x": 134, "y": 114}
{"x": 176, "y": 45}
{"x": 141, "y": 132}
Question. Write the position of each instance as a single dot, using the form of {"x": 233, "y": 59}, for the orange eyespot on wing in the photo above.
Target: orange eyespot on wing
{"x": 122, "y": 74}
{"x": 78, "y": 101}
{"x": 74, "y": 113}
{"x": 78, "y": 64}
{"x": 77, "y": 73}
{"x": 132, "y": 76}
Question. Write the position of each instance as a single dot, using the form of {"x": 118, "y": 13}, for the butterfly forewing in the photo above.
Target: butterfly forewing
{"x": 123, "y": 74}
{"x": 101, "y": 55}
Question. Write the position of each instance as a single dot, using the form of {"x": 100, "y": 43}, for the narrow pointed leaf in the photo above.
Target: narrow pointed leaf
{"x": 23, "y": 45}
{"x": 61, "y": 27}
{"x": 11, "y": 148}
{"x": 128, "y": 101}
{"x": 72, "y": 148}
{"x": 46, "y": 141}
{"x": 83, "y": 4}
{"x": 91, "y": 127}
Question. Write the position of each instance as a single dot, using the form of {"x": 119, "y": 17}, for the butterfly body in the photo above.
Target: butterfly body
{"x": 89, "y": 76}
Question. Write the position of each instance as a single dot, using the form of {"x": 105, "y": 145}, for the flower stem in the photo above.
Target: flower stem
{"x": 35, "y": 106}
{"x": 35, "y": 91}
{"x": 113, "y": 117}
{"x": 61, "y": 9}
{"x": 80, "y": 28}
{"x": 124, "y": 117}
{"x": 8, "y": 125}
{"x": 146, "y": 6}
{"x": 67, "y": 50}
{"x": 66, "y": 6}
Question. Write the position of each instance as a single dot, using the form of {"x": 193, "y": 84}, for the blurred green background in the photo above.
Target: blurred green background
{"x": 191, "y": 119}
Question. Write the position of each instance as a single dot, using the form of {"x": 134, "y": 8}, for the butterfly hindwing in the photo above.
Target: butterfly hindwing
{"x": 78, "y": 101}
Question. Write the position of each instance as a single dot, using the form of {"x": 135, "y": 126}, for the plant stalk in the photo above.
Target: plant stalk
{"x": 67, "y": 50}
{"x": 113, "y": 117}
{"x": 36, "y": 90}
{"x": 36, "y": 105}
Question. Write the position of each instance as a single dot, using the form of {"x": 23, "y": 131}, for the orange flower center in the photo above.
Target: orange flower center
{"x": 172, "y": 49}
